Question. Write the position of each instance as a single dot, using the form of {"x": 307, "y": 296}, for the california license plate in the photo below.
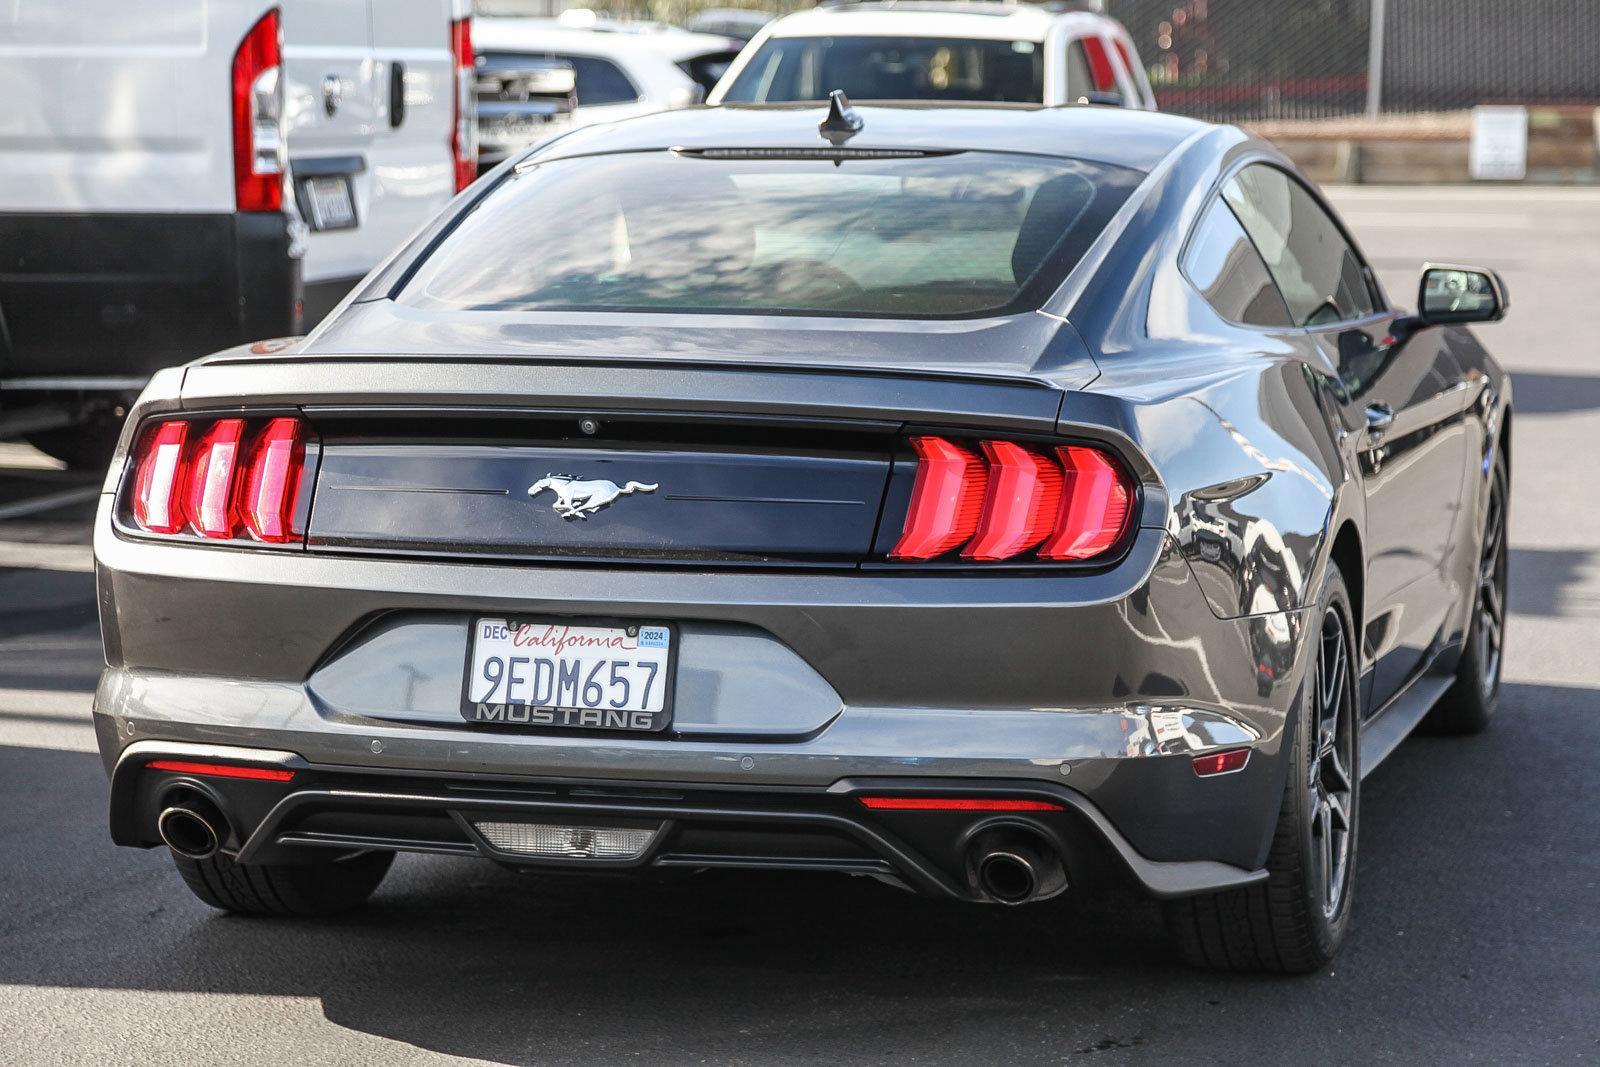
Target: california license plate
{"x": 328, "y": 203}
{"x": 588, "y": 676}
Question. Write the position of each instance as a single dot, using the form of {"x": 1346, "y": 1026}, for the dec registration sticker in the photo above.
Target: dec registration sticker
{"x": 545, "y": 673}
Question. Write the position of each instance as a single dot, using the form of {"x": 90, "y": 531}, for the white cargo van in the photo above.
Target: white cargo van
{"x": 185, "y": 176}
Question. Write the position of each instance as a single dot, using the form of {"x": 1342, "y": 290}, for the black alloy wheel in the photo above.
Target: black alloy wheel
{"x": 1330, "y": 786}
{"x": 1490, "y": 623}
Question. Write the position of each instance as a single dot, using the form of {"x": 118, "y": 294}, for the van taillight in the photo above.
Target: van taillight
{"x": 230, "y": 479}
{"x": 258, "y": 141}
{"x": 1010, "y": 501}
{"x": 464, "y": 130}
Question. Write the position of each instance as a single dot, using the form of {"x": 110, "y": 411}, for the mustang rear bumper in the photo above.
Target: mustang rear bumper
{"x": 1096, "y": 687}
{"x": 696, "y": 826}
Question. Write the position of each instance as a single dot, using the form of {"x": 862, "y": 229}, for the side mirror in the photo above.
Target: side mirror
{"x": 1103, "y": 97}
{"x": 1451, "y": 294}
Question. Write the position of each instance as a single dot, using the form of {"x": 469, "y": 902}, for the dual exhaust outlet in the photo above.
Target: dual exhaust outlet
{"x": 1005, "y": 864}
{"x": 1013, "y": 866}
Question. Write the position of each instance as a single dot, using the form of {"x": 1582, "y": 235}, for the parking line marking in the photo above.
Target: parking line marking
{"x": 48, "y": 502}
{"x": 75, "y": 559}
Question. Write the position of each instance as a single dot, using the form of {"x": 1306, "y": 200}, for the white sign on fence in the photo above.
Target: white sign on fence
{"x": 1499, "y": 143}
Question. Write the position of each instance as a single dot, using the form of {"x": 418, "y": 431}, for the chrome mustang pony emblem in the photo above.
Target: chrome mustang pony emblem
{"x": 580, "y": 498}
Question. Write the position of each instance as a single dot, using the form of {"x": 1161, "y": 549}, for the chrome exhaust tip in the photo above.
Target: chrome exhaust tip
{"x": 1007, "y": 877}
{"x": 193, "y": 830}
{"x": 1015, "y": 867}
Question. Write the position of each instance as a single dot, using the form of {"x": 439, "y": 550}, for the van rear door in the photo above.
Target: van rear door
{"x": 332, "y": 114}
{"x": 412, "y": 175}
{"x": 118, "y": 107}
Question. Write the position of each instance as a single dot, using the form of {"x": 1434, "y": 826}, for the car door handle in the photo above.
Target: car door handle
{"x": 1379, "y": 418}
{"x": 397, "y": 94}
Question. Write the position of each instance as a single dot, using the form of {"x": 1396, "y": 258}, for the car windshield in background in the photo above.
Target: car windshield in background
{"x": 932, "y": 236}
{"x": 793, "y": 69}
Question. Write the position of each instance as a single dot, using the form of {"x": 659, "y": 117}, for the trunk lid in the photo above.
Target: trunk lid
{"x": 648, "y": 462}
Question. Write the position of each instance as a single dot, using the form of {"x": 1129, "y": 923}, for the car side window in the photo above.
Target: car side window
{"x": 599, "y": 81}
{"x": 1321, "y": 277}
{"x": 1224, "y": 265}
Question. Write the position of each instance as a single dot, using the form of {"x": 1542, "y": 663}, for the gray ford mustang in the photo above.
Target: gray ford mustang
{"x": 996, "y": 502}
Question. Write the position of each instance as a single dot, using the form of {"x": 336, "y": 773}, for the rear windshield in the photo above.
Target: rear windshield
{"x": 892, "y": 68}
{"x": 925, "y": 237}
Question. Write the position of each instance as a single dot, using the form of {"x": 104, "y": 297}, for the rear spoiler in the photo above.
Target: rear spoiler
{"x": 443, "y": 384}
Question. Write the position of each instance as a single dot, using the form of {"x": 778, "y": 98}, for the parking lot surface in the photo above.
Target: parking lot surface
{"x": 1477, "y": 924}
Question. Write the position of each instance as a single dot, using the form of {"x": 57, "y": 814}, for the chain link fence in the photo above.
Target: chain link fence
{"x": 1254, "y": 60}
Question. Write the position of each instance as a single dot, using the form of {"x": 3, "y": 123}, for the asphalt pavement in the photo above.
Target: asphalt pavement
{"x": 1477, "y": 925}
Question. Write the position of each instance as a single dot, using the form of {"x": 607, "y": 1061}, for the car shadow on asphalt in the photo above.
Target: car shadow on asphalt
{"x": 463, "y": 958}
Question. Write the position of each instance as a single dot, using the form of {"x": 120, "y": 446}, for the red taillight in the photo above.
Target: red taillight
{"x": 211, "y": 480}
{"x": 464, "y": 129}
{"x": 1020, "y": 508}
{"x": 957, "y": 804}
{"x": 220, "y": 770}
{"x": 1074, "y": 505}
{"x": 158, "y": 479}
{"x": 1221, "y": 762}
{"x": 217, "y": 480}
{"x": 1094, "y": 505}
{"x": 258, "y": 141}
{"x": 272, "y": 484}
{"x": 946, "y": 499}
{"x": 1094, "y": 49}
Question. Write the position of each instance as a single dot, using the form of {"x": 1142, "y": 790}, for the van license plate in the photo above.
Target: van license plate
{"x": 327, "y": 202}
{"x": 586, "y": 676}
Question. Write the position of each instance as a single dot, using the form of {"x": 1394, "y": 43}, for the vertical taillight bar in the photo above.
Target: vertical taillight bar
{"x": 1023, "y": 500}
{"x": 258, "y": 141}
{"x": 1094, "y": 505}
{"x": 158, "y": 479}
{"x": 464, "y": 128}
{"x": 946, "y": 499}
{"x": 272, "y": 483}
{"x": 212, "y": 480}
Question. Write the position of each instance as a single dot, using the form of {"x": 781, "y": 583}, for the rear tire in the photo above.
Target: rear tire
{"x": 1296, "y": 920}
{"x": 301, "y": 889}
{"x": 1469, "y": 704}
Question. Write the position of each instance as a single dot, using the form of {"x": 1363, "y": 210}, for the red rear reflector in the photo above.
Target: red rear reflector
{"x": 1221, "y": 762}
{"x": 1094, "y": 505}
{"x": 946, "y": 499}
{"x": 957, "y": 804}
{"x": 220, "y": 770}
{"x": 158, "y": 479}
{"x": 272, "y": 486}
{"x": 211, "y": 480}
{"x": 1020, "y": 507}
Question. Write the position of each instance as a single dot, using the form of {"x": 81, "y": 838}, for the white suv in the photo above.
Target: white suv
{"x": 940, "y": 50}
{"x": 180, "y": 180}
{"x": 621, "y": 69}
